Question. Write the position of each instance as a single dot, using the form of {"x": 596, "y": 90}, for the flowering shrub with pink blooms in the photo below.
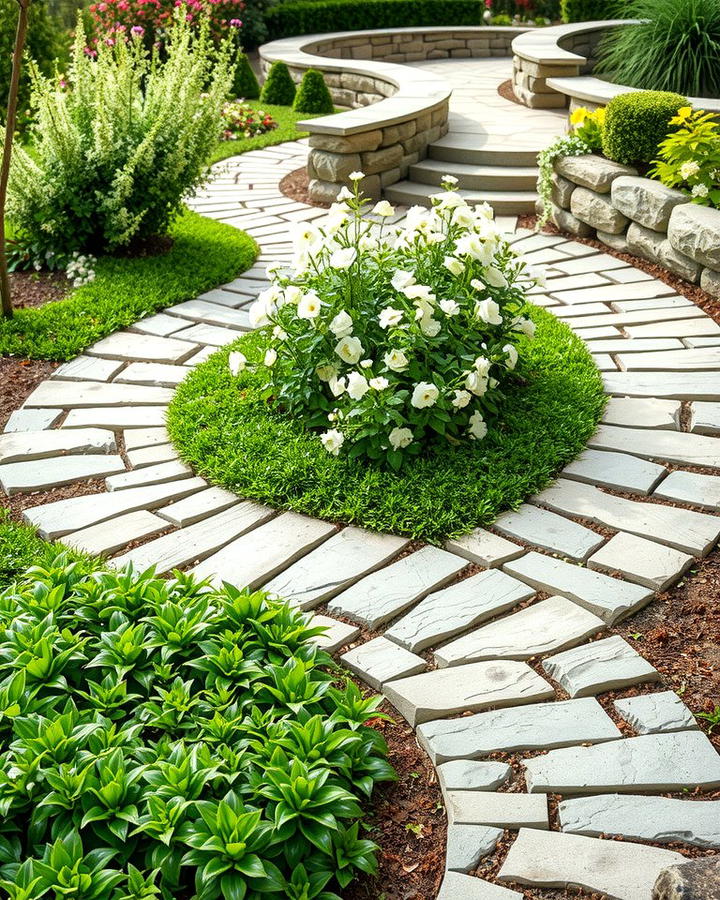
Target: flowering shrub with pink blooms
{"x": 240, "y": 120}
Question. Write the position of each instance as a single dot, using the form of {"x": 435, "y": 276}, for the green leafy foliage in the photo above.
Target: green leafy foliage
{"x": 567, "y": 145}
{"x": 160, "y": 738}
{"x": 590, "y": 10}
{"x": 313, "y": 95}
{"x": 674, "y": 47}
{"x": 689, "y": 158}
{"x": 286, "y": 130}
{"x": 636, "y": 123}
{"x": 127, "y": 289}
{"x": 235, "y": 439}
{"x": 245, "y": 83}
{"x": 279, "y": 88}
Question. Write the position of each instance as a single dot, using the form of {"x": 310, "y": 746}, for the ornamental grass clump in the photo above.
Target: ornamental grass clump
{"x": 387, "y": 339}
{"x": 163, "y": 739}
{"x": 118, "y": 146}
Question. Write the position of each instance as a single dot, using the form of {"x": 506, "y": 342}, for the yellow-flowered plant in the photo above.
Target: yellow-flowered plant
{"x": 588, "y": 124}
{"x": 689, "y": 157}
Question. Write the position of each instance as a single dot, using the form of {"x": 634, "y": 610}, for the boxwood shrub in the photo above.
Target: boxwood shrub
{"x": 635, "y": 123}
{"x": 163, "y": 739}
{"x": 279, "y": 88}
{"x": 313, "y": 96}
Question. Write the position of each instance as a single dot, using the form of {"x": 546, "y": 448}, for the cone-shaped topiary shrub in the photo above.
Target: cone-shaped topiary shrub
{"x": 635, "y": 123}
{"x": 313, "y": 95}
{"x": 245, "y": 83}
{"x": 279, "y": 88}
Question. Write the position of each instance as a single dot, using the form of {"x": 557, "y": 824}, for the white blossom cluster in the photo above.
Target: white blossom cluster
{"x": 390, "y": 337}
{"x": 79, "y": 269}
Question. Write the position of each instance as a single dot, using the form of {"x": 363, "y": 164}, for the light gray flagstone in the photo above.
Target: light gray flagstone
{"x": 651, "y": 762}
{"x": 615, "y": 470}
{"x": 642, "y": 413}
{"x": 161, "y": 374}
{"x": 702, "y": 359}
{"x": 27, "y": 445}
{"x": 471, "y": 688}
{"x": 549, "y": 530}
{"x": 627, "y": 274}
{"x": 691, "y": 487}
{"x": 604, "y": 362}
{"x": 675, "y": 327}
{"x": 132, "y": 346}
{"x": 113, "y": 535}
{"x": 161, "y": 325}
{"x": 609, "y": 598}
{"x": 455, "y": 886}
{"x": 652, "y": 303}
{"x": 634, "y": 318}
{"x": 467, "y": 845}
{"x": 198, "y": 506}
{"x": 203, "y": 354}
{"x": 338, "y": 634}
{"x": 382, "y": 595}
{"x": 691, "y": 532}
{"x": 538, "y": 726}
{"x": 167, "y": 471}
{"x": 31, "y": 420}
{"x": 53, "y": 520}
{"x": 458, "y": 607}
{"x": 598, "y": 667}
{"x": 652, "y": 713}
{"x": 655, "y": 565}
{"x": 186, "y": 545}
{"x": 88, "y": 368}
{"x": 78, "y": 394}
{"x": 596, "y": 263}
{"x": 618, "y": 870}
{"x": 635, "y": 345}
{"x": 379, "y": 661}
{"x": 118, "y": 417}
{"x": 661, "y": 820}
{"x": 484, "y": 548}
{"x": 705, "y": 417}
{"x": 597, "y": 334}
{"x": 213, "y": 335}
{"x": 150, "y": 456}
{"x": 504, "y": 810}
{"x": 41, "y": 474}
{"x": 341, "y": 560}
{"x": 253, "y": 559}
{"x": 543, "y": 627}
{"x": 673, "y": 385}
{"x": 582, "y": 309}
{"x": 136, "y": 438}
{"x": 472, "y": 775}
{"x": 212, "y": 313}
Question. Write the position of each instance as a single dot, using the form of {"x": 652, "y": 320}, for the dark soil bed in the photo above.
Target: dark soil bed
{"x": 18, "y": 379}
{"x": 31, "y": 289}
{"x": 296, "y": 186}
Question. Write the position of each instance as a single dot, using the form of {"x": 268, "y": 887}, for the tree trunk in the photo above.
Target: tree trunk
{"x": 20, "y": 34}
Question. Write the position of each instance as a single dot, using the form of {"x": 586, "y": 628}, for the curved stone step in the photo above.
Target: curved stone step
{"x": 511, "y": 203}
{"x": 476, "y": 177}
{"x": 478, "y": 149}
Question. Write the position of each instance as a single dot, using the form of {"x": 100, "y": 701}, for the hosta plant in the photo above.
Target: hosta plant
{"x": 388, "y": 338}
{"x": 162, "y": 739}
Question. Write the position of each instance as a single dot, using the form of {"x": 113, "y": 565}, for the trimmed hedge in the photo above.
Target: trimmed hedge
{"x": 589, "y": 10}
{"x": 313, "y": 96}
{"x": 245, "y": 83}
{"x": 279, "y": 88}
{"x": 635, "y": 123}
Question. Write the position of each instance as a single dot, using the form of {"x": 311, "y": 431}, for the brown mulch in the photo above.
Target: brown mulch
{"x": 32, "y": 289}
{"x": 18, "y": 379}
{"x": 505, "y": 89}
{"x": 295, "y": 185}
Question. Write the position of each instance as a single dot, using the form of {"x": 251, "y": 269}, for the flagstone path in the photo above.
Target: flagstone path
{"x": 572, "y": 560}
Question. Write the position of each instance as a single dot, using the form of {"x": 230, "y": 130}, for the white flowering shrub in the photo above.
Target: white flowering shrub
{"x": 386, "y": 338}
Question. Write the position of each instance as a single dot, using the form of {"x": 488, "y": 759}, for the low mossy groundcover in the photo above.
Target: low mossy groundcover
{"x": 164, "y": 739}
{"x": 233, "y": 438}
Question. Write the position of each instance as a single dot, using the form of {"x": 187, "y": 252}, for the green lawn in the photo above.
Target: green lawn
{"x": 286, "y": 131}
{"x": 21, "y": 547}
{"x": 234, "y": 439}
{"x": 204, "y": 254}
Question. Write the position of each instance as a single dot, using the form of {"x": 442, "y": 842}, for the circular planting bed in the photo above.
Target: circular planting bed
{"x": 232, "y": 437}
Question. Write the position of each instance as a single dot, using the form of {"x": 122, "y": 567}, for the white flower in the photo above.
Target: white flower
{"x": 495, "y": 277}
{"x": 396, "y": 360}
{"x": 345, "y": 193}
{"x": 512, "y": 356}
{"x": 338, "y": 386}
{"x": 688, "y": 169}
{"x": 368, "y": 242}
{"x": 424, "y": 395}
{"x": 461, "y": 399}
{"x": 401, "y": 279}
{"x": 356, "y": 176}
{"x": 342, "y": 325}
{"x": 429, "y": 326}
{"x": 477, "y": 427}
{"x": 453, "y": 265}
{"x": 379, "y": 383}
{"x": 527, "y": 326}
{"x": 236, "y": 362}
{"x": 343, "y": 258}
{"x": 292, "y": 294}
{"x": 305, "y": 236}
{"x": 476, "y": 383}
{"x": 309, "y": 306}
{"x": 279, "y": 333}
{"x": 477, "y": 284}
{"x": 332, "y": 441}
{"x": 390, "y": 317}
{"x": 270, "y": 357}
{"x": 365, "y": 363}
{"x": 447, "y": 200}
{"x": 349, "y": 349}
{"x": 488, "y": 311}
{"x": 449, "y": 307}
{"x": 357, "y": 385}
{"x": 449, "y": 179}
{"x": 482, "y": 366}
{"x": 419, "y": 292}
{"x": 326, "y": 372}
{"x": 463, "y": 215}
{"x": 700, "y": 190}
{"x": 383, "y": 208}
{"x": 400, "y": 437}
{"x": 474, "y": 246}
{"x": 258, "y": 314}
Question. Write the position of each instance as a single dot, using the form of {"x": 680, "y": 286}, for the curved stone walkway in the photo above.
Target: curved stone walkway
{"x": 522, "y": 645}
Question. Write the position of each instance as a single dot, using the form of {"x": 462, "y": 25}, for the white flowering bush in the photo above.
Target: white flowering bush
{"x": 386, "y": 338}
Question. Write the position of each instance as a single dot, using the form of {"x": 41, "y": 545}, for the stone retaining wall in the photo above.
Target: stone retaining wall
{"x": 593, "y": 196}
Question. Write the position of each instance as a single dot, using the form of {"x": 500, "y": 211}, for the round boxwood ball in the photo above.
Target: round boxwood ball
{"x": 279, "y": 88}
{"x": 635, "y": 123}
{"x": 313, "y": 95}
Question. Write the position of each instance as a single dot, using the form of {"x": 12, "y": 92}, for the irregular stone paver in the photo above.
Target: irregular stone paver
{"x": 618, "y": 471}
{"x": 27, "y": 445}
{"x": 705, "y": 417}
{"x": 458, "y": 607}
{"x": 117, "y": 418}
{"x": 53, "y": 520}
{"x": 655, "y": 565}
{"x": 680, "y": 447}
{"x": 650, "y": 762}
{"x": 161, "y": 324}
{"x": 601, "y": 666}
{"x": 697, "y": 360}
{"x": 42, "y": 474}
{"x": 253, "y": 559}
{"x": 136, "y": 438}
{"x": 343, "y": 559}
{"x": 675, "y": 328}
{"x": 380, "y": 596}
{"x": 484, "y": 548}
{"x": 108, "y": 537}
{"x": 546, "y": 529}
{"x": 160, "y": 374}
{"x": 79, "y": 394}
{"x": 150, "y": 456}
{"x": 467, "y": 845}
{"x": 127, "y": 345}
{"x": 618, "y": 870}
{"x": 157, "y": 474}
{"x": 691, "y": 487}
{"x": 508, "y": 810}
{"x": 212, "y": 314}
{"x": 663, "y": 385}
{"x": 658, "y": 819}
{"x": 337, "y": 635}
{"x": 689, "y": 531}
{"x": 699, "y": 878}
{"x": 533, "y": 727}
{"x": 213, "y": 335}
{"x": 31, "y": 420}
{"x": 548, "y": 625}
{"x": 198, "y": 506}
{"x": 652, "y": 713}
{"x": 88, "y": 368}
{"x": 472, "y": 775}
{"x": 456, "y": 885}
{"x": 609, "y": 598}
{"x": 380, "y": 660}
